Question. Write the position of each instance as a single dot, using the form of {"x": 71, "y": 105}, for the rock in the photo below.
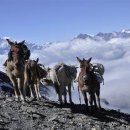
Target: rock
{"x": 35, "y": 116}
{"x": 14, "y": 119}
{"x": 53, "y": 118}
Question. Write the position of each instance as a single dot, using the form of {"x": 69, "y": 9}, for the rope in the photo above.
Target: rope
{"x": 79, "y": 95}
{"x": 103, "y": 81}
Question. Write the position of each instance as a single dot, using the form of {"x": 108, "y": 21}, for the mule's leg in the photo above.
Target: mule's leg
{"x": 57, "y": 91}
{"x": 31, "y": 91}
{"x": 85, "y": 98}
{"x": 98, "y": 98}
{"x": 38, "y": 89}
{"x": 26, "y": 84}
{"x": 94, "y": 99}
{"x": 20, "y": 85}
{"x": 64, "y": 95}
{"x": 91, "y": 99}
{"x": 60, "y": 96}
{"x": 14, "y": 82}
{"x": 70, "y": 96}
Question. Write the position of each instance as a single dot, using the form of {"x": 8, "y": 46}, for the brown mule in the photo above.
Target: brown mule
{"x": 15, "y": 68}
{"x": 88, "y": 83}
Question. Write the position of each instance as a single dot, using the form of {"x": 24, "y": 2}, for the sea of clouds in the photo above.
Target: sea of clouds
{"x": 113, "y": 54}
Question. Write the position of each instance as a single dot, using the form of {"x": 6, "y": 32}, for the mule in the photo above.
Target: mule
{"x": 15, "y": 68}
{"x": 88, "y": 83}
{"x": 33, "y": 74}
{"x": 60, "y": 76}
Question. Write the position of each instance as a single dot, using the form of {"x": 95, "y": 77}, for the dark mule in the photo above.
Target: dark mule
{"x": 88, "y": 83}
{"x": 33, "y": 74}
{"x": 15, "y": 68}
{"x": 30, "y": 78}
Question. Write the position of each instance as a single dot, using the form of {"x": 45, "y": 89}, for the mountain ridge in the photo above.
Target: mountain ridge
{"x": 124, "y": 33}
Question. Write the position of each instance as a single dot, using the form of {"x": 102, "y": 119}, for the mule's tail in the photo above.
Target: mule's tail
{"x": 56, "y": 77}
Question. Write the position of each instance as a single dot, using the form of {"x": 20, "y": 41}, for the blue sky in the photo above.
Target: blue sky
{"x": 43, "y": 21}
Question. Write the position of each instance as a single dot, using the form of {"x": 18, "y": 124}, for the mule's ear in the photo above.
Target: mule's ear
{"x": 78, "y": 59}
{"x": 15, "y": 42}
{"x": 83, "y": 59}
{"x": 22, "y": 42}
{"x": 37, "y": 60}
{"x": 10, "y": 42}
{"x": 89, "y": 59}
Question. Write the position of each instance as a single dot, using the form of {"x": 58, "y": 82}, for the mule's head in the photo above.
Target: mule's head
{"x": 16, "y": 52}
{"x": 85, "y": 66}
{"x": 47, "y": 80}
{"x": 42, "y": 72}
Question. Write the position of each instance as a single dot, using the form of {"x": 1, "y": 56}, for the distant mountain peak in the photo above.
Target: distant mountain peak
{"x": 125, "y": 33}
{"x": 125, "y": 30}
{"x": 84, "y": 36}
{"x": 6, "y": 38}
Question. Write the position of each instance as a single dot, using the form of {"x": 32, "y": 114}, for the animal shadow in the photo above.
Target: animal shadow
{"x": 103, "y": 115}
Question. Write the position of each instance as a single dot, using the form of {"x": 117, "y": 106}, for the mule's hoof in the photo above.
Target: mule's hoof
{"x": 38, "y": 98}
{"x": 99, "y": 108}
{"x": 16, "y": 99}
{"x": 65, "y": 102}
{"x": 87, "y": 109}
{"x": 95, "y": 107}
{"x": 23, "y": 101}
{"x": 71, "y": 103}
{"x": 61, "y": 103}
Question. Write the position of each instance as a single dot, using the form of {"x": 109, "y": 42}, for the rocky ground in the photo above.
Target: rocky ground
{"x": 48, "y": 115}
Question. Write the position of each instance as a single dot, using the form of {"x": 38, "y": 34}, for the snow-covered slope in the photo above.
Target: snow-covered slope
{"x": 110, "y": 49}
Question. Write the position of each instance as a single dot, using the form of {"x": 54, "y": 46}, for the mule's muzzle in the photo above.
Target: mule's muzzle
{"x": 86, "y": 78}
